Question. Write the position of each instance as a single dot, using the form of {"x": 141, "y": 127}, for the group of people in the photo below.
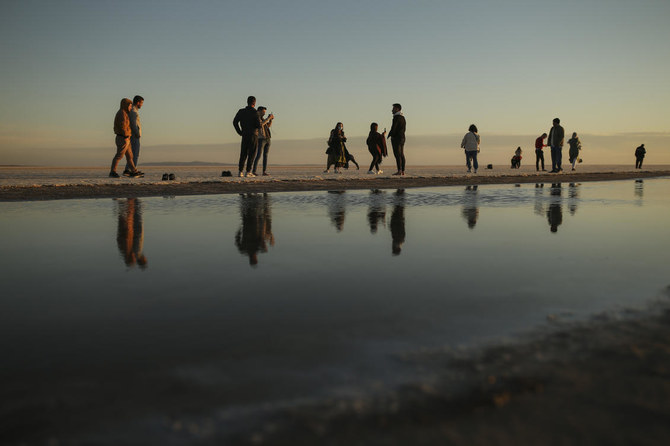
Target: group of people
{"x": 254, "y": 128}
{"x": 128, "y": 131}
{"x": 556, "y": 140}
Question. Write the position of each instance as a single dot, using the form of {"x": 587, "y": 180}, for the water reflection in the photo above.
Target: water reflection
{"x": 470, "y": 206}
{"x": 130, "y": 232}
{"x": 397, "y": 223}
{"x": 639, "y": 191}
{"x": 573, "y": 197}
{"x": 376, "y": 210}
{"x": 337, "y": 208}
{"x": 555, "y": 211}
{"x": 256, "y": 230}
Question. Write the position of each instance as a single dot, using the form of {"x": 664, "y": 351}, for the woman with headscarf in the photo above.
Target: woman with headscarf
{"x": 575, "y": 147}
{"x": 336, "y": 149}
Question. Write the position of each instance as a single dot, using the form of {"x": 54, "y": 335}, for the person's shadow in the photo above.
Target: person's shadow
{"x": 130, "y": 232}
{"x": 256, "y": 230}
{"x": 376, "y": 210}
{"x": 470, "y": 210}
{"x": 397, "y": 223}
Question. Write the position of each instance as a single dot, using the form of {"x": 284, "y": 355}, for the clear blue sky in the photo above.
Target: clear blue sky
{"x": 510, "y": 67}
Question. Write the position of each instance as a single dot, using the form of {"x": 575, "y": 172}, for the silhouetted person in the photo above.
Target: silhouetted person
{"x": 539, "y": 153}
{"x": 470, "y": 207}
{"x": 264, "y": 140}
{"x": 135, "y": 131}
{"x": 377, "y": 148}
{"x": 337, "y": 151}
{"x": 130, "y": 232}
{"x": 397, "y": 135}
{"x": 575, "y": 148}
{"x": 640, "y": 152}
{"x": 256, "y": 229}
{"x": 470, "y": 145}
{"x": 516, "y": 159}
{"x": 397, "y": 223}
{"x": 377, "y": 210}
{"x": 122, "y": 132}
{"x": 556, "y": 137}
{"x": 336, "y": 208}
{"x": 247, "y": 123}
{"x": 555, "y": 211}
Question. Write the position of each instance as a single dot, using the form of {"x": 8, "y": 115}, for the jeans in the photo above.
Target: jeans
{"x": 539, "y": 157}
{"x": 264, "y": 148}
{"x": 471, "y": 155}
{"x": 399, "y": 152}
{"x": 135, "y": 145}
{"x": 248, "y": 149}
{"x": 556, "y": 157}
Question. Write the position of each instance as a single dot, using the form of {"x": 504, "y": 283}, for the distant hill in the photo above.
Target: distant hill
{"x": 182, "y": 163}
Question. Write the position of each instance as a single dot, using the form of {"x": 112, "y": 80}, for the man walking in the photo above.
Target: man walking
{"x": 246, "y": 125}
{"x": 264, "y": 138}
{"x": 135, "y": 131}
{"x": 122, "y": 132}
{"x": 539, "y": 153}
{"x": 556, "y": 136}
{"x": 397, "y": 135}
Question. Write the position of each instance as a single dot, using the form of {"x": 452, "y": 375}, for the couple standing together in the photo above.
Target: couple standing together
{"x": 128, "y": 130}
{"x": 254, "y": 128}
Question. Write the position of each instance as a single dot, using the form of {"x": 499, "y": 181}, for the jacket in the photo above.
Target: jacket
{"x": 248, "y": 119}
{"x": 121, "y": 120}
{"x": 376, "y": 144}
{"x": 135, "y": 124}
{"x": 470, "y": 142}
{"x": 556, "y": 136}
{"x": 398, "y": 127}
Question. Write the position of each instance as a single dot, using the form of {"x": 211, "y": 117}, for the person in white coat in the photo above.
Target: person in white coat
{"x": 471, "y": 145}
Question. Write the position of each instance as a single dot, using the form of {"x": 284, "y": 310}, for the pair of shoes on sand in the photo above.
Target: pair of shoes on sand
{"x": 167, "y": 177}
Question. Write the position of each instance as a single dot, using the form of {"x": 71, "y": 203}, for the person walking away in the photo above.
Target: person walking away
{"x": 639, "y": 156}
{"x": 336, "y": 149}
{"x": 471, "y": 145}
{"x": 539, "y": 153}
{"x": 397, "y": 135}
{"x": 122, "y": 132}
{"x": 556, "y": 137}
{"x": 247, "y": 123}
{"x": 264, "y": 136}
{"x": 575, "y": 147}
{"x": 376, "y": 147}
{"x": 135, "y": 131}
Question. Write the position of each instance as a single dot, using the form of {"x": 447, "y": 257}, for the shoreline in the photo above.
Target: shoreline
{"x": 128, "y": 188}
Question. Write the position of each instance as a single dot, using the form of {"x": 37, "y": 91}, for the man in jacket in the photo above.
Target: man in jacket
{"x": 135, "y": 131}
{"x": 556, "y": 136}
{"x": 639, "y": 156}
{"x": 397, "y": 135}
{"x": 122, "y": 132}
{"x": 539, "y": 153}
{"x": 246, "y": 125}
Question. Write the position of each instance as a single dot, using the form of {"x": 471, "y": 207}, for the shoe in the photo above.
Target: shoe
{"x": 249, "y": 174}
{"x": 402, "y": 174}
{"x": 265, "y": 174}
{"x": 241, "y": 174}
{"x": 475, "y": 170}
{"x": 171, "y": 177}
{"x": 126, "y": 173}
{"x": 370, "y": 172}
{"x": 396, "y": 174}
{"x": 165, "y": 177}
{"x": 573, "y": 168}
{"x": 544, "y": 170}
{"x": 113, "y": 174}
{"x": 136, "y": 174}
{"x": 469, "y": 171}
{"x": 379, "y": 172}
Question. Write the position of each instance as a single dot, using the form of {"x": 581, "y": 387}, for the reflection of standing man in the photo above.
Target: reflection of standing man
{"x": 377, "y": 210}
{"x": 555, "y": 211}
{"x": 539, "y": 153}
{"x": 135, "y": 131}
{"x": 397, "y": 223}
{"x": 556, "y": 136}
{"x": 249, "y": 121}
{"x": 397, "y": 135}
{"x": 470, "y": 206}
{"x": 130, "y": 233}
{"x": 256, "y": 227}
{"x": 264, "y": 136}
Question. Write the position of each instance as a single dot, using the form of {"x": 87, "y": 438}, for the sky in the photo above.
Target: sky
{"x": 602, "y": 66}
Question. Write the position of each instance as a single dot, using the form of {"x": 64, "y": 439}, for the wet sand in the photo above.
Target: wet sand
{"x": 33, "y": 183}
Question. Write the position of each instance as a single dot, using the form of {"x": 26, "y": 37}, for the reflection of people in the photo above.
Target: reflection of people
{"x": 639, "y": 156}
{"x": 336, "y": 208}
{"x": 264, "y": 140}
{"x": 575, "y": 147}
{"x": 377, "y": 148}
{"x": 539, "y": 153}
{"x": 377, "y": 210}
{"x": 122, "y": 132}
{"x": 130, "y": 232}
{"x": 397, "y": 222}
{"x": 135, "y": 131}
{"x": 639, "y": 191}
{"x": 556, "y": 137}
{"x": 337, "y": 155}
{"x": 573, "y": 197}
{"x": 256, "y": 229}
{"x": 470, "y": 144}
{"x": 397, "y": 135}
{"x": 555, "y": 212}
{"x": 470, "y": 208}
{"x": 247, "y": 123}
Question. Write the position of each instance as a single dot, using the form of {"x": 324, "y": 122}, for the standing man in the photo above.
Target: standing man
{"x": 556, "y": 136}
{"x": 122, "y": 132}
{"x": 539, "y": 154}
{"x": 397, "y": 135}
{"x": 247, "y": 118}
{"x": 264, "y": 138}
{"x": 135, "y": 131}
{"x": 639, "y": 156}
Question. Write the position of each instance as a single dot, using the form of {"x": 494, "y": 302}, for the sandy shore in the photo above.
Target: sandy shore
{"x": 34, "y": 183}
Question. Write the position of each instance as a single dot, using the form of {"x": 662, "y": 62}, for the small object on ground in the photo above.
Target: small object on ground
{"x": 171, "y": 177}
{"x": 489, "y": 166}
{"x": 226, "y": 173}
{"x": 165, "y": 177}
{"x": 113, "y": 174}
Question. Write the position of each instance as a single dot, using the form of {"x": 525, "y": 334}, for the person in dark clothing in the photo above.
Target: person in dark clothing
{"x": 539, "y": 153}
{"x": 376, "y": 147}
{"x": 639, "y": 156}
{"x": 337, "y": 150}
{"x": 397, "y": 135}
{"x": 556, "y": 137}
{"x": 397, "y": 223}
{"x": 247, "y": 118}
{"x": 256, "y": 230}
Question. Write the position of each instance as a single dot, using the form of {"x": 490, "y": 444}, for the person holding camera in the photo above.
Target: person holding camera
{"x": 264, "y": 136}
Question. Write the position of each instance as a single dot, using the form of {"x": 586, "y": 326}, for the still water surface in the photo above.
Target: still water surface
{"x": 150, "y": 306}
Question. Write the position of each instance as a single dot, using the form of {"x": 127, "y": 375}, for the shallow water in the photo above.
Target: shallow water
{"x": 138, "y": 310}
